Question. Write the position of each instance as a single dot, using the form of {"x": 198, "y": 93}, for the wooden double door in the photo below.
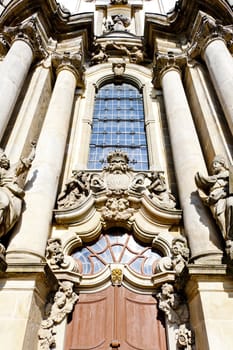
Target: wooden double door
{"x": 115, "y": 318}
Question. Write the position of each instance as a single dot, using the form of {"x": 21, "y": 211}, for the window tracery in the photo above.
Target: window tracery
{"x": 117, "y": 248}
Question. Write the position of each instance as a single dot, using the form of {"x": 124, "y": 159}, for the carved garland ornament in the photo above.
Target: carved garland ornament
{"x": 175, "y": 308}
{"x": 57, "y": 309}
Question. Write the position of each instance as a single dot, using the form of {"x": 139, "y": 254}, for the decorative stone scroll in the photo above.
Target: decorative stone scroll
{"x": 117, "y": 190}
{"x": 56, "y": 310}
{"x": 179, "y": 258}
{"x": 175, "y": 308}
{"x": 216, "y": 191}
{"x": 57, "y": 260}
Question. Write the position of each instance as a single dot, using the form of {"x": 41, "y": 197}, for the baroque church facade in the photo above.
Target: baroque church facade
{"x": 116, "y": 185}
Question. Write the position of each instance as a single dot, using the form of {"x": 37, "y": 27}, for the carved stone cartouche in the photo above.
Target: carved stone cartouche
{"x": 119, "y": 189}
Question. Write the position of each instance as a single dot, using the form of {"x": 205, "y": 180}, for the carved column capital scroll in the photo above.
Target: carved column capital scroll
{"x": 71, "y": 62}
{"x": 28, "y": 32}
{"x": 206, "y": 30}
{"x": 165, "y": 62}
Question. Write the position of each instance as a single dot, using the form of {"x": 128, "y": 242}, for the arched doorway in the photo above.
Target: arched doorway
{"x": 116, "y": 315}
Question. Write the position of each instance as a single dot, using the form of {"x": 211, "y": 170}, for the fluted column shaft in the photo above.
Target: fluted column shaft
{"x": 187, "y": 154}
{"x": 220, "y": 66}
{"x": 13, "y": 71}
{"x": 32, "y": 232}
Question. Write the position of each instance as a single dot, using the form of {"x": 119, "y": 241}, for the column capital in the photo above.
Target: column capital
{"x": 72, "y": 62}
{"x": 166, "y": 62}
{"x": 206, "y": 29}
{"x": 27, "y": 31}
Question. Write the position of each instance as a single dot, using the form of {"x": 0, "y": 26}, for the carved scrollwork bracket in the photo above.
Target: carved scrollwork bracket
{"x": 175, "y": 307}
{"x": 179, "y": 258}
{"x": 165, "y": 62}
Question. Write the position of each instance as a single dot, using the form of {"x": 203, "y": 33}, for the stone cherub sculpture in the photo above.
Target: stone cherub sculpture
{"x": 61, "y": 305}
{"x": 11, "y": 189}
{"x": 216, "y": 191}
{"x": 158, "y": 191}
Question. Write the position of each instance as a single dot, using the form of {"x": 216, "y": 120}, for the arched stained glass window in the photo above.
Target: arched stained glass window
{"x": 117, "y": 248}
{"x": 118, "y": 124}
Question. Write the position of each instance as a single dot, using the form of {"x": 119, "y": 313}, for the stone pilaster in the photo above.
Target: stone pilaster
{"x": 210, "y": 40}
{"x": 30, "y": 236}
{"x": 200, "y": 230}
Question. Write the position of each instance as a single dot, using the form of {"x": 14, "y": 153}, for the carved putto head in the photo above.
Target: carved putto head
{"x": 118, "y": 162}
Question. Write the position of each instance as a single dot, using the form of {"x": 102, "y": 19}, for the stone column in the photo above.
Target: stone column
{"x": 31, "y": 234}
{"x": 188, "y": 159}
{"x": 15, "y": 66}
{"x": 210, "y": 40}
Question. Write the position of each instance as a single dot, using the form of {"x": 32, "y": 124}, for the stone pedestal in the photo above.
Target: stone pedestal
{"x": 209, "y": 292}
{"x": 24, "y": 289}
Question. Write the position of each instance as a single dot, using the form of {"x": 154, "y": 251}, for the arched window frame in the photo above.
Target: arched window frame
{"x": 80, "y": 137}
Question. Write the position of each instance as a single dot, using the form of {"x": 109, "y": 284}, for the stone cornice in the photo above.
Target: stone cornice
{"x": 180, "y": 20}
{"x": 57, "y": 22}
{"x": 165, "y": 62}
{"x": 206, "y": 29}
{"x": 70, "y": 61}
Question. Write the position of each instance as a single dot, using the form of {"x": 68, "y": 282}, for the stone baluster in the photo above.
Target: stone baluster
{"x": 15, "y": 66}
{"x": 30, "y": 236}
{"x": 199, "y": 227}
{"x": 210, "y": 41}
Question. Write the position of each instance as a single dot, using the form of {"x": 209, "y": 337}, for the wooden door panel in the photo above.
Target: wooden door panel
{"x": 138, "y": 327}
{"x": 92, "y": 322}
{"x": 115, "y": 315}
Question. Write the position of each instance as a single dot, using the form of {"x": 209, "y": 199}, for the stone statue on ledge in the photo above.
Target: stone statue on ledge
{"x": 11, "y": 189}
{"x": 216, "y": 191}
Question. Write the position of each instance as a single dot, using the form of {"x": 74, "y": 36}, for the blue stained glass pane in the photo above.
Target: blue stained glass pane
{"x": 118, "y": 124}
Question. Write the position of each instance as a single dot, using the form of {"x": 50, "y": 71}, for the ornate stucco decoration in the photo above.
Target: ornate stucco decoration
{"x": 116, "y": 192}
{"x": 216, "y": 191}
{"x": 12, "y": 178}
{"x": 60, "y": 305}
{"x": 117, "y": 22}
{"x": 131, "y": 51}
{"x": 164, "y": 62}
{"x": 178, "y": 259}
{"x": 72, "y": 61}
{"x": 206, "y": 29}
{"x": 27, "y": 31}
{"x": 62, "y": 265}
{"x": 118, "y": 2}
{"x": 176, "y": 310}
